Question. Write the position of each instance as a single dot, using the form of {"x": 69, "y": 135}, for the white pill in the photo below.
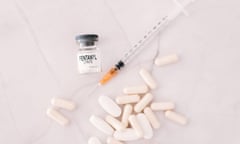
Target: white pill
{"x": 127, "y": 110}
{"x": 151, "y": 118}
{"x": 162, "y": 106}
{"x": 128, "y": 134}
{"x": 127, "y": 99}
{"x": 169, "y": 59}
{"x": 146, "y": 126}
{"x": 63, "y": 103}
{"x": 116, "y": 124}
{"x": 148, "y": 79}
{"x": 101, "y": 125}
{"x": 176, "y": 117}
{"x": 109, "y": 106}
{"x": 94, "y": 140}
{"x": 135, "y": 125}
{"x": 111, "y": 140}
{"x": 143, "y": 102}
{"x": 141, "y": 89}
{"x": 57, "y": 116}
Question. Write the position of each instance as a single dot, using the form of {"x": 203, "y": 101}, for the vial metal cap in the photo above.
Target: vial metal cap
{"x": 86, "y": 39}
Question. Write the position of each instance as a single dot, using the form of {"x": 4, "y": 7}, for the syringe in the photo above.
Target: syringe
{"x": 140, "y": 44}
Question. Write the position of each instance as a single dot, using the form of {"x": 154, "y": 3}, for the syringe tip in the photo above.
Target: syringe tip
{"x": 109, "y": 75}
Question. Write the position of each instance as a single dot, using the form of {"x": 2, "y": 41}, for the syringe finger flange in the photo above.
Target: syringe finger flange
{"x": 120, "y": 64}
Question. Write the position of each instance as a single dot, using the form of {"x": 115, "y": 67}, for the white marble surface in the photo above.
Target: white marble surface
{"x": 38, "y": 62}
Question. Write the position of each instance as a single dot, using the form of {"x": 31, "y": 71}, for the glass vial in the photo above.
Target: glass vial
{"x": 88, "y": 56}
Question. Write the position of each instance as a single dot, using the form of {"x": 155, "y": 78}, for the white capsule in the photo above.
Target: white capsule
{"x": 128, "y": 134}
{"x": 169, "y": 59}
{"x": 63, "y": 103}
{"x": 111, "y": 140}
{"x": 148, "y": 79}
{"x": 94, "y": 140}
{"x": 152, "y": 118}
{"x": 135, "y": 125}
{"x": 127, "y": 99}
{"x": 162, "y": 106}
{"x": 176, "y": 117}
{"x": 143, "y": 102}
{"x": 109, "y": 106}
{"x": 146, "y": 126}
{"x": 57, "y": 116}
{"x": 127, "y": 110}
{"x": 141, "y": 89}
{"x": 116, "y": 124}
{"x": 101, "y": 125}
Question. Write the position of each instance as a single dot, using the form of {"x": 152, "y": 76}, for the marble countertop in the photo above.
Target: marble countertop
{"x": 38, "y": 62}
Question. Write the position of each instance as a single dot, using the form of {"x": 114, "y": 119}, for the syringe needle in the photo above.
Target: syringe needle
{"x": 139, "y": 46}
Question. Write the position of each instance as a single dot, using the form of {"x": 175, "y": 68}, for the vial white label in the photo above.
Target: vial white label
{"x": 89, "y": 61}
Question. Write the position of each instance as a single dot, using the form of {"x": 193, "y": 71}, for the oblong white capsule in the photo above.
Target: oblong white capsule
{"x": 152, "y": 118}
{"x": 162, "y": 106}
{"x": 146, "y": 126}
{"x": 101, "y": 125}
{"x": 109, "y": 106}
{"x": 111, "y": 140}
{"x": 141, "y": 89}
{"x": 127, "y": 110}
{"x": 148, "y": 79}
{"x": 94, "y": 140}
{"x": 63, "y": 103}
{"x": 128, "y": 134}
{"x": 169, "y": 59}
{"x": 127, "y": 99}
{"x": 135, "y": 125}
{"x": 116, "y": 124}
{"x": 143, "y": 102}
{"x": 178, "y": 118}
{"x": 57, "y": 116}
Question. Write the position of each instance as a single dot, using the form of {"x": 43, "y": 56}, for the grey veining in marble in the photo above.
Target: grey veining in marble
{"x": 38, "y": 62}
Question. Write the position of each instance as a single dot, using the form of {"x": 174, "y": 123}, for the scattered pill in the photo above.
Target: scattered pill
{"x": 111, "y": 140}
{"x": 140, "y": 123}
{"x": 176, "y": 117}
{"x": 109, "y": 106}
{"x": 63, "y": 103}
{"x": 148, "y": 79}
{"x": 141, "y": 89}
{"x": 127, "y": 110}
{"x": 146, "y": 126}
{"x": 152, "y": 118}
{"x": 162, "y": 106}
{"x": 169, "y": 59}
{"x": 128, "y": 134}
{"x": 143, "y": 102}
{"x": 135, "y": 125}
{"x": 94, "y": 140}
{"x": 57, "y": 116}
{"x": 101, "y": 125}
{"x": 127, "y": 99}
{"x": 116, "y": 124}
